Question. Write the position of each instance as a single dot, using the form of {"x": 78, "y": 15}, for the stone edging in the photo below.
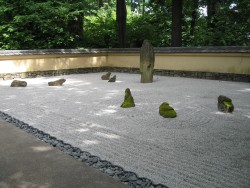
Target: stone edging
{"x": 173, "y": 73}
{"x": 206, "y": 49}
{"x": 117, "y": 172}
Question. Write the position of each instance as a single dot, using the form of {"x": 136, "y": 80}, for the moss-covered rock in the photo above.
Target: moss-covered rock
{"x": 106, "y": 76}
{"x": 128, "y": 100}
{"x": 167, "y": 111}
{"x": 225, "y": 104}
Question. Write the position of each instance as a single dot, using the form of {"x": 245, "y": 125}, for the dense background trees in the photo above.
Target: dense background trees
{"x": 40, "y": 24}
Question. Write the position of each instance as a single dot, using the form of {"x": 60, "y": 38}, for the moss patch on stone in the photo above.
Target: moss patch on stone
{"x": 228, "y": 104}
{"x": 167, "y": 111}
{"x": 225, "y": 104}
{"x": 128, "y": 100}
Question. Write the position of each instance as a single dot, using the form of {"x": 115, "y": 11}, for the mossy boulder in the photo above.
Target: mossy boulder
{"x": 128, "y": 100}
{"x": 18, "y": 83}
{"x": 57, "y": 82}
{"x": 106, "y": 76}
{"x": 225, "y": 104}
{"x": 167, "y": 111}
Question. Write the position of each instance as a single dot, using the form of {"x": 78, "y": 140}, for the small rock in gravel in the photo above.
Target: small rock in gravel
{"x": 133, "y": 178}
{"x": 18, "y": 83}
{"x": 109, "y": 172}
{"x": 225, "y": 104}
{"x": 106, "y": 76}
{"x": 92, "y": 160}
{"x": 57, "y": 82}
{"x": 70, "y": 150}
{"x": 113, "y": 79}
{"x": 84, "y": 157}
{"x": 67, "y": 146}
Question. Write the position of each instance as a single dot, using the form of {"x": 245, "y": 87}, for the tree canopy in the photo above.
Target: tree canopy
{"x": 48, "y": 24}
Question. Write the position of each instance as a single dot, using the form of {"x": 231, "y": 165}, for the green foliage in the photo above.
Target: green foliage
{"x": 229, "y": 26}
{"x": 100, "y": 28}
{"x": 38, "y": 25}
{"x": 46, "y": 24}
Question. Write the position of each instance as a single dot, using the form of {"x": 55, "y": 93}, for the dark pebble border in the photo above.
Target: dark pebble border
{"x": 171, "y": 73}
{"x": 117, "y": 172}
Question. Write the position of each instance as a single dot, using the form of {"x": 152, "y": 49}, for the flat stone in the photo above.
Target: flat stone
{"x": 57, "y": 82}
{"x": 106, "y": 76}
{"x": 18, "y": 83}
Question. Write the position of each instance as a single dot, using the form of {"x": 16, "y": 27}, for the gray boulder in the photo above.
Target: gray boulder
{"x": 18, "y": 83}
{"x": 113, "y": 79}
{"x": 106, "y": 76}
{"x": 225, "y": 104}
{"x": 57, "y": 82}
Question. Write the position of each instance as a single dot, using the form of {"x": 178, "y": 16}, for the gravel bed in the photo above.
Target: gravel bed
{"x": 117, "y": 172}
{"x": 201, "y": 147}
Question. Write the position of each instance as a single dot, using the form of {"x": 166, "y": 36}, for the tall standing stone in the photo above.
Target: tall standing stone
{"x": 147, "y": 61}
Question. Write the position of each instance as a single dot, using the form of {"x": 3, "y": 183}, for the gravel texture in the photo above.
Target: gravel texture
{"x": 201, "y": 147}
{"x": 129, "y": 178}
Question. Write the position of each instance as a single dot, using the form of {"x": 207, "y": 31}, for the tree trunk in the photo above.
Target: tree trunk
{"x": 211, "y": 21}
{"x": 143, "y": 7}
{"x": 194, "y": 16}
{"x": 75, "y": 26}
{"x": 100, "y": 3}
{"x": 121, "y": 15}
{"x": 176, "y": 23}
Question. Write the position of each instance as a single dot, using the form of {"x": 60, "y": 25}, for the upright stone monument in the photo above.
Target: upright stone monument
{"x": 147, "y": 61}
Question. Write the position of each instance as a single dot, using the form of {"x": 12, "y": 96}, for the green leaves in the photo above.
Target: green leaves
{"x": 41, "y": 24}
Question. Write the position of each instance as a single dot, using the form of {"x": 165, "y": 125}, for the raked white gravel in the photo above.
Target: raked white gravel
{"x": 200, "y": 148}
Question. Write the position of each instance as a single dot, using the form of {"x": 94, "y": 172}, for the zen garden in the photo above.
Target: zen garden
{"x": 116, "y": 94}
